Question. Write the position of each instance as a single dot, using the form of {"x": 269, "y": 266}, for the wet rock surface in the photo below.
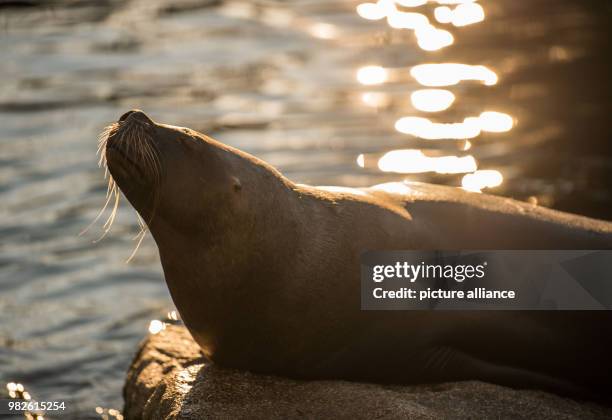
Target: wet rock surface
{"x": 169, "y": 378}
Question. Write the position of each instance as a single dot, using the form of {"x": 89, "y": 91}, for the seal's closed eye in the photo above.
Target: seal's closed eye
{"x": 237, "y": 184}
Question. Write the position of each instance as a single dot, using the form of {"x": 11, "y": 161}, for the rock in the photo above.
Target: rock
{"x": 169, "y": 378}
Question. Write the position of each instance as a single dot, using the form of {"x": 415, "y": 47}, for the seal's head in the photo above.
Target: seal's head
{"x": 218, "y": 215}
{"x": 181, "y": 179}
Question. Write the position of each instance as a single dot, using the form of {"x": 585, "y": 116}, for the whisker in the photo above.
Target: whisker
{"x": 156, "y": 178}
{"x": 101, "y": 152}
{"x": 133, "y": 254}
{"x": 111, "y": 217}
{"x": 148, "y": 156}
{"x": 135, "y": 138}
{"x": 108, "y": 198}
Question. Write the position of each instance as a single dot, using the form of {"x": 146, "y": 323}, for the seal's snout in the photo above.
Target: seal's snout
{"x": 136, "y": 115}
{"x": 129, "y": 149}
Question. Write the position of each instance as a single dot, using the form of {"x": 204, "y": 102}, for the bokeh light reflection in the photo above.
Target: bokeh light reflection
{"x": 431, "y": 76}
{"x": 468, "y": 14}
{"x": 486, "y": 178}
{"x": 156, "y": 326}
{"x": 449, "y": 74}
{"x": 432, "y": 100}
{"x": 431, "y": 38}
{"x": 375, "y": 99}
{"x": 495, "y": 122}
{"x": 411, "y": 3}
{"x": 372, "y": 75}
{"x": 471, "y": 127}
{"x": 443, "y": 14}
{"x": 462, "y": 15}
{"x": 412, "y": 161}
{"x": 407, "y": 20}
{"x": 376, "y": 11}
{"x": 424, "y": 128}
{"x": 323, "y": 30}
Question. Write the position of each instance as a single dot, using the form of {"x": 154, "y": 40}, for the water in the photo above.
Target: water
{"x": 279, "y": 82}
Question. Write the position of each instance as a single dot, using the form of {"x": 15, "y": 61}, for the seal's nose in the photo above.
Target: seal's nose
{"x": 136, "y": 114}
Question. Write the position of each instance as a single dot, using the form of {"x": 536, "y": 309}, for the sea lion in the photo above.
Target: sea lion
{"x": 265, "y": 272}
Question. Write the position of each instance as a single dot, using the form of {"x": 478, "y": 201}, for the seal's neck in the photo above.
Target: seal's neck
{"x": 209, "y": 277}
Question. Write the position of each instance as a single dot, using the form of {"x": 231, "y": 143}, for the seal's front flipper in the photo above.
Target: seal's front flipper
{"x": 447, "y": 364}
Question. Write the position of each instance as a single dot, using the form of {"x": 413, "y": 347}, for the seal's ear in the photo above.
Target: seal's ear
{"x": 236, "y": 184}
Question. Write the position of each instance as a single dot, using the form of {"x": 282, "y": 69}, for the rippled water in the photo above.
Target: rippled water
{"x": 317, "y": 88}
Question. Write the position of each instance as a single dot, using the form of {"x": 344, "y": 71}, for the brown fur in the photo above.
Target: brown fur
{"x": 265, "y": 273}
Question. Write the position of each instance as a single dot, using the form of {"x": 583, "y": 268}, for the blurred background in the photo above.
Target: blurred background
{"x": 500, "y": 96}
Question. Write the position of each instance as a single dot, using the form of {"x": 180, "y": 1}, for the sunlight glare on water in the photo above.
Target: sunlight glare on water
{"x": 454, "y": 1}
{"x": 323, "y": 31}
{"x": 432, "y": 100}
{"x": 431, "y": 38}
{"x": 411, "y": 3}
{"x": 480, "y": 179}
{"x": 109, "y": 413}
{"x": 495, "y": 122}
{"x": 407, "y": 20}
{"x": 449, "y": 74}
{"x": 471, "y": 127}
{"x": 443, "y": 14}
{"x": 375, "y": 99}
{"x": 468, "y": 14}
{"x": 411, "y": 161}
{"x": 156, "y": 326}
{"x": 462, "y": 15}
{"x": 424, "y": 128}
{"x": 375, "y": 11}
{"x": 361, "y": 160}
{"x": 372, "y": 75}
